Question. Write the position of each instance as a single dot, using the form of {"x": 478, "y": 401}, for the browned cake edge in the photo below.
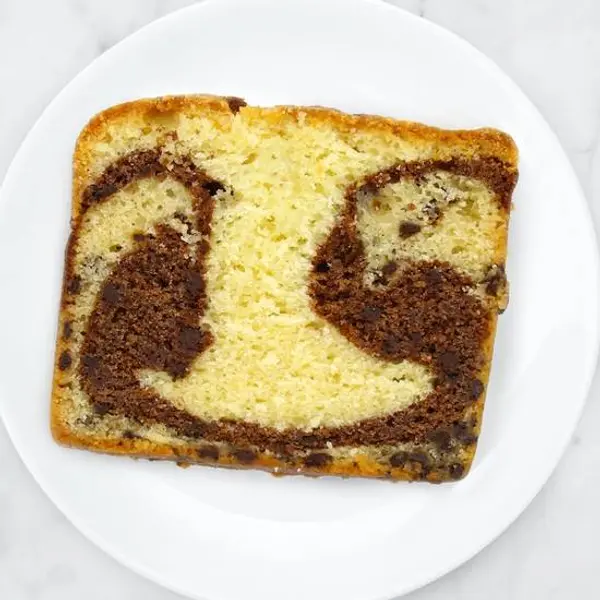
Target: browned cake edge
{"x": 474, "y": 143}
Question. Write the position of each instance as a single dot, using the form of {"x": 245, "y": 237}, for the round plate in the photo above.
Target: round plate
{"x": 224, "y": 535}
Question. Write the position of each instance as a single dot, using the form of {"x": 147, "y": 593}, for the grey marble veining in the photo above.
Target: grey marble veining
{"x": 551, "y": 48}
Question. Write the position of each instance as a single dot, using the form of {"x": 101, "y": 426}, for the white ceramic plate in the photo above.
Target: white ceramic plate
{"x": 228, "y": 535}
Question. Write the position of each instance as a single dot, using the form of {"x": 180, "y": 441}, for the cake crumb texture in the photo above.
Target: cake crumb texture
{"x": 249, "y": 197}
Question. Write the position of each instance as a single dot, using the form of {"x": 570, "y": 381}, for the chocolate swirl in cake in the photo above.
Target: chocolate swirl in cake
{"x": 147, "y": 314}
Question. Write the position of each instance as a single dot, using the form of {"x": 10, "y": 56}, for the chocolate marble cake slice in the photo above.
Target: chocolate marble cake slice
{"x": 290, "y": 289}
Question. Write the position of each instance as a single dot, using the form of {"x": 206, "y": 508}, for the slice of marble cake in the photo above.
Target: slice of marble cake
{"x": 292, "y": 289}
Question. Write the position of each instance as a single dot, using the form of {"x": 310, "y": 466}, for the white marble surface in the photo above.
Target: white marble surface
{"x": 552, "y": 49}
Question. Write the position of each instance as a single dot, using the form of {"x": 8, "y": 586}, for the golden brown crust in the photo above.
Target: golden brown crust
{"x": 360, "y": 465}
{"x": 471, "y": 144}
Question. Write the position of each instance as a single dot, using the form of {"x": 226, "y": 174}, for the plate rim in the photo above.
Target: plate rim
{"x": 502, "y": 78}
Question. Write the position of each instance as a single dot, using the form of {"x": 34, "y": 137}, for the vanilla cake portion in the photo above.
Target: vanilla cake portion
{"x": 291, "y": 288}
